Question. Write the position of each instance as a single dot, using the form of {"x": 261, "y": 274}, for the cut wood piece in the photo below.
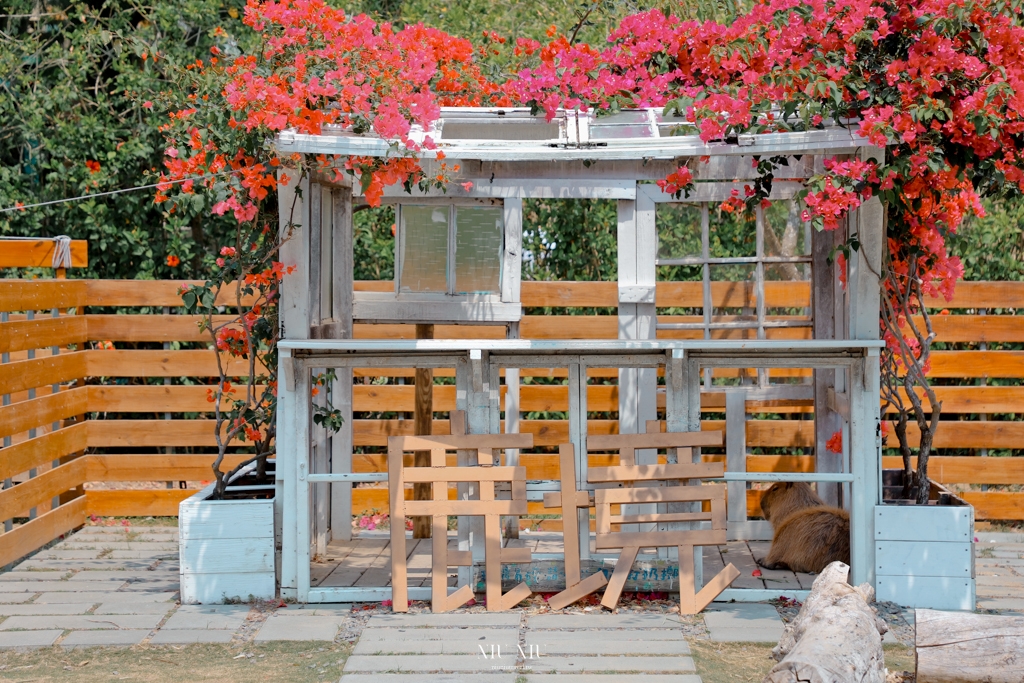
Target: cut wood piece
{"x": 553, "y": 499}
{"x": 459, "y": 558}
{"x": 516, "y": 555}
{"x": 515, "y": 596}
{"x": 571, "y": 594}
{"x": 837, "y": 636}
{"x": 456, "y": 600}
{"x": 959, "y": 647}
{"x": 707, "y": 470}
{"x": 615, "y": 442}
{"x": 618, "y": 580}
{"x": 714, "y": 587}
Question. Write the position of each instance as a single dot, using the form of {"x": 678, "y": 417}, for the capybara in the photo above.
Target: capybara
{"x": 808, "y": 535}
{"x": 784, "y": 498}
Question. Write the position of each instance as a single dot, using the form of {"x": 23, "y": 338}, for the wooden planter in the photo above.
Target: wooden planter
{"x": 924, "y": 554}
{"x": 226, "y": 549}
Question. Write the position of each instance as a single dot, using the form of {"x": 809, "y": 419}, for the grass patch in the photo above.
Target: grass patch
{"x": 282, "y": 662}
{"x": 744, "y": 662}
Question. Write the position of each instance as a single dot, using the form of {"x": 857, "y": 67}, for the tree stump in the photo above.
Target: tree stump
{"x": 959, "y": 647}
{"x": 837, "y": 636}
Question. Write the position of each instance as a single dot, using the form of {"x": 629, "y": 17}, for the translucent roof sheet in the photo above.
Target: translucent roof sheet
{"x": 514, "y": 134}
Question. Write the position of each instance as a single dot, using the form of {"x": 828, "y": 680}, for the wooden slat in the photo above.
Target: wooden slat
{"x": 155, "y": 467}
{"x": 967, "y": 364}
{"x": 16, "y": 501}
{"x": 959, "y": 400}
{"x": 983, "y": 295}
{"x": 145, "y": 363}
{"x": 31, "y": 253}
{"x": 33, "y": 535}
{"x": 20, "y": 417}
{"x": 976, "y": 328}
{"x": 29, "y": 374}
{"x": 167, "y": 398}
{"x": 43, "y": 449}
{"x": 137, "y": 503}
{"x": 138, "y": 328}
{"x": 996, "y": 504}
{"x": 148, "y": 433}
{"x": 42, "y": 333}
{"x": 150, "y": 293}
{"x": 668, "y": 294}
{"x": 42, "y": 295}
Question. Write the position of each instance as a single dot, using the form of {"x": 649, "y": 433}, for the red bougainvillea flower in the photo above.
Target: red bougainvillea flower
{"x": 93, "y": 166}
{"x": 835, "y": 443}
{"x": 173, "y": 261}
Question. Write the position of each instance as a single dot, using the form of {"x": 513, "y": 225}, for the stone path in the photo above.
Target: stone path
{"x": 509, "y": 647}
{"x": 999, "y": 571}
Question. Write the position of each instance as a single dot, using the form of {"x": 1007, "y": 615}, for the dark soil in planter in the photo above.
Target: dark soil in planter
{"x": 250, "y": 479}
{"x": 892, "y": 491}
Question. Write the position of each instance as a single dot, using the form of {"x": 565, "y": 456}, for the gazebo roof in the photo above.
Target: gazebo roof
{"x": 516, "y": 134}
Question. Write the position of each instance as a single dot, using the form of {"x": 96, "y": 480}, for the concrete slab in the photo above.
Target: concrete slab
{"x": 101, "y": 638}
{"x": 745, "y": 635}
{"x": 749, "y": 622}
{"x": 432, "y": 678}
{"x": 426, "y": 663}
{"x": 506, "y": 646}
{"x": 100, "y": 596}
{"x": 611, "y": 664}
{"x": 184, "y": 637}
{"x": 135, "y": 608}
{"x": 143, "y": 586}
{"x": 603, "y": 621}
{"x": 443, "y": 620}
{"x": 297, "y": 628}
{"x": 97, "y": 565}
{"x": 315, "y": 610}
{"x": 616, "y": 635}
{"x": 387, "y": 635}
{"x": 125, "y": 575}
{"x": 44, "y": 609}
{"x": 101, "y": 544}
{"x": 983, "y": 580}
{"x": 18, "y": 575}
{"x": 46, "y": 586}
{"x": 1007, "y": 604}
{"x": 14, "y": 598}
{"x": 606, "y": 646}
{"x": 27, "y": 640}
{"x": 618, "y": 678}
{"x": 83, "y": 622}
{"x": 64, "y": 554}
{"x": 169, "y": 554}
{"x": 208, "y": 617}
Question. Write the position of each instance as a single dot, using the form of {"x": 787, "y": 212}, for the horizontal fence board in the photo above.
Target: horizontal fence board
{"x": 43, "y": 449}
{"x": 155, "y": 327}
{"x": 33, "y": 535}
{"x": 969, "y": 364}
{"x": 156, "y": 363}
{"x": 30, "y": 253}
{"x": 984, "y": 294}
{"x": 171, "y": 467}
{"x": 41, "y": 295}
{"x": 147, "y": 293}
{"x": 28, "y": 374}
{"x": 42, "y": 333}
{"x": 16, "y": 501}
{"x": 168, "y": 398}
{"x": 976, "y": 328}
{"x": 43, "y": 411}
{"x": 996, "y": 504}
{"x": 150, "y": 433}
{"x": 136, "y": 503}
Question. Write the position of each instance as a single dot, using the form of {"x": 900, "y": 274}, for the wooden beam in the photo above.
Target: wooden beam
{"x": 18, "y": 500}
{"x": 24, "y": 456}
{"x": 423, "y": 422}
{"x": 19, "y": 417}
{"x": 41, "y": 295}
{"x": 136, "y": 503}
{"x": 29, "y": 537}
{"x": 29, "y": 253}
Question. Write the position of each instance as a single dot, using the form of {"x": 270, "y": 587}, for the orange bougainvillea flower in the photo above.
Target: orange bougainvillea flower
{"x": 93, "y": 166}
{"x": 835, "y": 444}
{"x": 173, "y": 261}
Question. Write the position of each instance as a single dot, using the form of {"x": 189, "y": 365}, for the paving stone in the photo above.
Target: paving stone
{"x": 743, "y": 622}
{"x": 126, "y": 575}
{"x": 615, "y": 635}
{"x": 47, "y": 586}
{"x": 97, "y": 638}
{"x": 64, "y": 554}
{"x": 170, "y": 553}
{"x": 179, "y": 637}
{"x": 135, "y": 608}
{"x": 605, "y": 646}
{"x": 109, "y": 595}
{"x": 143, "y": 586}
{"x": 618, "y": 678}
{"x": 83, "y": 622}
{"x": 19, "y": 640}
{"x": 38, "y": 609}
{"x": 435, "y": 620}
{"x": 315, "y": 610}
{"x": 375, "y": 634}
{"x": 34, "y": 576}
{"x": 603, "y": 621}
{"x": 14, "y": 598}
{"x": 506, "y": 646}
{"x": 983, "y": 580}
{"x": 425, "y": 663}
{"x": 200, "y": 617}
{"x": 297, "y": 628}
{"x": 99, "y": 546}
{"x": 1010, "y": 604}
{"x": 66, "y": 565}
{"x": 433, "y": 678}
{"x": 597, "y": 664}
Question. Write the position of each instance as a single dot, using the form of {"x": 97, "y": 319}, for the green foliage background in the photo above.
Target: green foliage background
{"x": 75, "y": 76}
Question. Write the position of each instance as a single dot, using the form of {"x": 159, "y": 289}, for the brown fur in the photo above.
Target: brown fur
{"x": 784, "y": 498}
{"x": 808, "y": 534}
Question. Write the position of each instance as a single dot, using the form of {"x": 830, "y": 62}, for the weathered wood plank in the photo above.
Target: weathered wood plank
{"x": 28, "y": 374}
{"x": 964, "y": 648}
{"x": 155, "y": 467}
{"x": 41, "y": 295}
{"x": 16, "y": 501}
{"x": 45, "y": 410}
{"x": 146, "y": 363}
{"x": 138, "y": 503}
{"x": 42, "y": 333}
{"x": 43, "y": 449}
{"x": 31, "y": 253}
{"x": 33, "y": 535}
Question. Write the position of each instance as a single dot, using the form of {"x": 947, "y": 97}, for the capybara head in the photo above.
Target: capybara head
{"x": 786, "y": 497}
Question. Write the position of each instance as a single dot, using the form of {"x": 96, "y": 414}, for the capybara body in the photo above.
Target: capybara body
{"x": 808, "y": 535}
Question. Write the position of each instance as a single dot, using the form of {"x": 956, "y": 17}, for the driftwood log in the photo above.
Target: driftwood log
{"x": 837, "y": 636}
{"x": 959, "y": 647}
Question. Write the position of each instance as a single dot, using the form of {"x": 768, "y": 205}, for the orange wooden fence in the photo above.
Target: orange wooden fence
{"x": 123, "y": 418}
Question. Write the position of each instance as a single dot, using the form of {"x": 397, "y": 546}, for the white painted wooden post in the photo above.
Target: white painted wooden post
{"x": 341, "y": 394}
{"x": 578, "y": 438}
{"x": 294, "y": 319}
{"x": 677, "y": 419}
{"x": 736, "y": 452}
{"x": 302, "y": 404}
{"x": 827, "y": 421}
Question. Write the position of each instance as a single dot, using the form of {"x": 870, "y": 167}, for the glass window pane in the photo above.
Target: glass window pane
{"x": 678, "y": 227}
{"x": 478, "y": 232}
{"x": 424, "y": 249}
